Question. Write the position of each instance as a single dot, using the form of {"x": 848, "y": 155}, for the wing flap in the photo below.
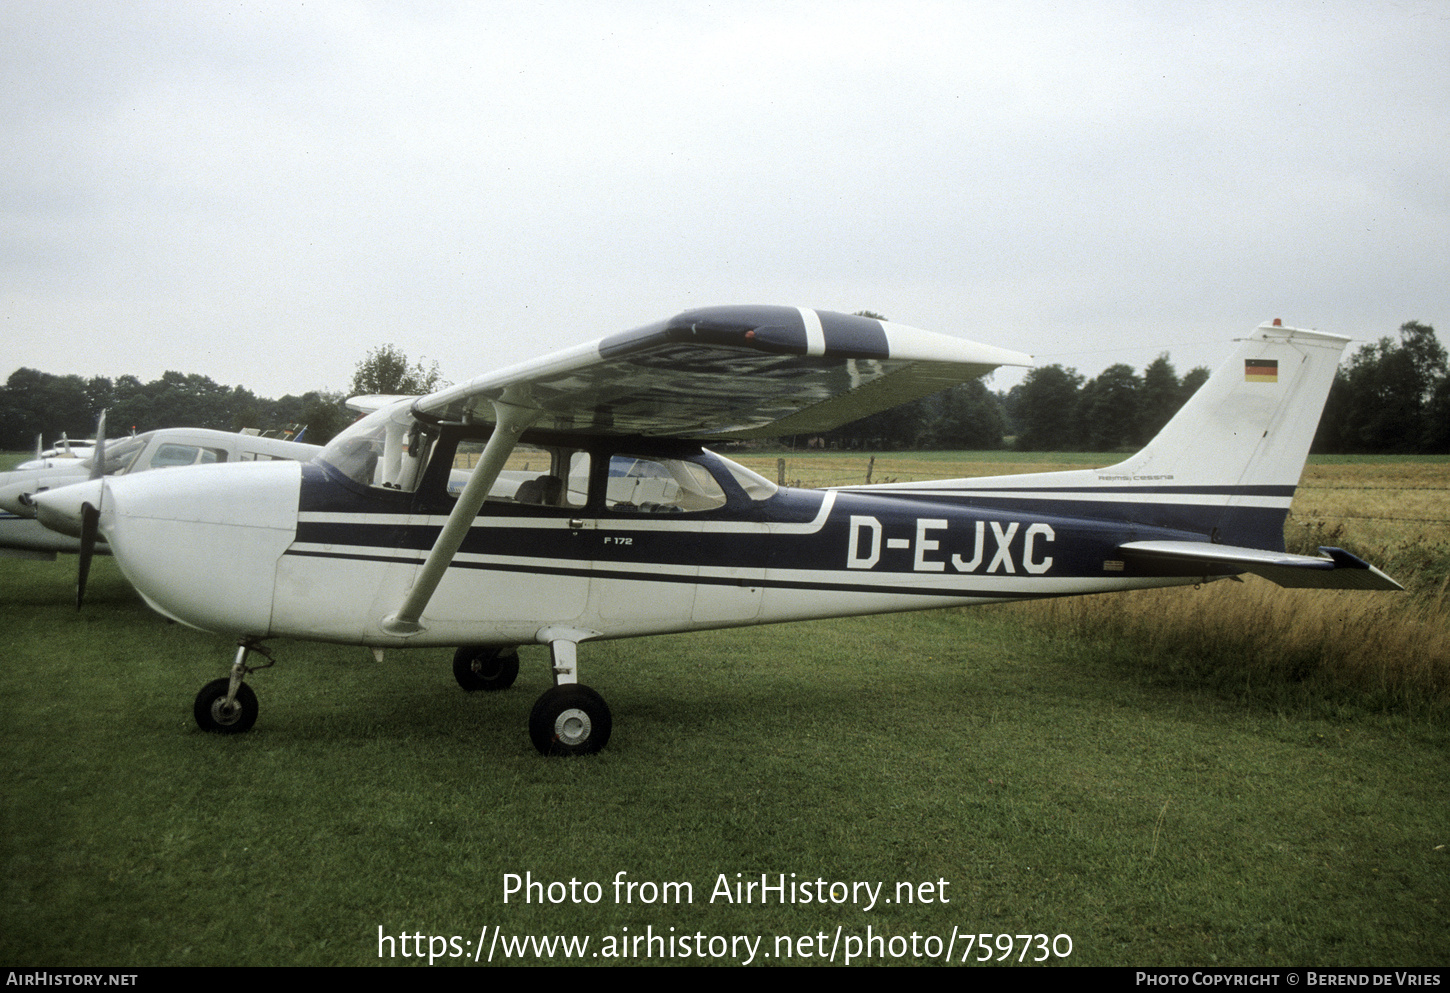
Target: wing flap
{"x": 1335, "y": 569}
{"x": 727, "y": 372}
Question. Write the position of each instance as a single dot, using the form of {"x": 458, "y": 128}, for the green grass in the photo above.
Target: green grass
{"x": 1055, "y": 791}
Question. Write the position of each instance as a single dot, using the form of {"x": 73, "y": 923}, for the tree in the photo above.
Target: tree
{"x": 1384, "y": 399}
{"x": 1043, "y": 406}
{"x": 1192, "y": 380}
{"x": 34, "y": 402}
{"x": 1162, "y": 396}
{"x": 1390, "y": 397}
{"x": 322, "y": 411}
{"x": 386, "y": 372}
{"x": 1108, "y": 409}
{"x": 967, "y": 416}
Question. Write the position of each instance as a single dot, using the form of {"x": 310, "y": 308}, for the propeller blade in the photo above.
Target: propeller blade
{"x": 98, "y": 457}
{"x": 90, "y": 519}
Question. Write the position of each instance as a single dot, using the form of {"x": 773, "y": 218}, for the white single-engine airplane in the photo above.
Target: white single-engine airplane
{"x": 610, "y": 520}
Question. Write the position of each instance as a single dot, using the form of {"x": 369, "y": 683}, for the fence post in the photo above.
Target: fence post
{"x": 780, "y": 472}
{"x": 869, "y": 466}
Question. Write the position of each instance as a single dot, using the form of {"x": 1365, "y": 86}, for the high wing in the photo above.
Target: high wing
{"x": 374, "y": 401}
{"x": 716, "y": 372}
{"x": 727, "y": 372}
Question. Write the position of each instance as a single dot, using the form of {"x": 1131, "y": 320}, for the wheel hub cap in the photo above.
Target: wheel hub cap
{"x": 572, "y": 727}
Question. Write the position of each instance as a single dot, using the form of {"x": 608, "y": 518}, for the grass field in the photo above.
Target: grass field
{"x": 1133, "y": 772}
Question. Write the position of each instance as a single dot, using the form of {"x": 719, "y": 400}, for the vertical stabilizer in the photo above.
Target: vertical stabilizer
{"x": 1252, "y": 422}
{"x": 1224, "y": 468}
{"x": 1245, "y": 434}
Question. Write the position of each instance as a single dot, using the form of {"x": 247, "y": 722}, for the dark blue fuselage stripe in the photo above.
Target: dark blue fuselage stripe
{"x": 944, "y": 494}
{"x": 655, "y": 577}
{"x": 769, "y": 329}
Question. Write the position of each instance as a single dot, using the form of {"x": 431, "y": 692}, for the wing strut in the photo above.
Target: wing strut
{"x": 511, "y": 420}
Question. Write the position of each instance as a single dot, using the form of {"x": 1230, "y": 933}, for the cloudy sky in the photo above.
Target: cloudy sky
{"x": 263, "y": 191}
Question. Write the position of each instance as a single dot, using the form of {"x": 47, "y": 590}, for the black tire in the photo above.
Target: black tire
{"x": 485, "y": 667}
{"x": 570, "y": 720}
{"x": 211, "y": 717}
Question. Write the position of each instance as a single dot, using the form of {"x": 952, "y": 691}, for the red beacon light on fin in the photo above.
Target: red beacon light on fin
{"x": 1278, "y": 323}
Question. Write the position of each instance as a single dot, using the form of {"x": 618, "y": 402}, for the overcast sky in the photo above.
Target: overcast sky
{"x": 261, "y": 192}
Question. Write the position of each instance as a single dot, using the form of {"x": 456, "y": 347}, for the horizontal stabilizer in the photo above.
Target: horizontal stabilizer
{"x": 1335, "y": 569}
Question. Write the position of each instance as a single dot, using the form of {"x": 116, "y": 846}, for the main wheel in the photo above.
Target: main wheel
{"x": 570, "y": 720}
{"x": 485, "y": 667}
{"x": 211, "y": 711}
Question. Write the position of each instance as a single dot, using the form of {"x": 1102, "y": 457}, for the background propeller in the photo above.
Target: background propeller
{"x": 91, "y": 516}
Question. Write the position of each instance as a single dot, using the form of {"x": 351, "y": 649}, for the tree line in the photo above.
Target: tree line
{"x": 1390, "y": 396}
{"x": 39, "y": 403}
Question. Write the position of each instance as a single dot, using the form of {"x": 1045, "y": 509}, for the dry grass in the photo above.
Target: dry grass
{"x": 1395, "y": 513}
{"x": 1391, "y": 651}
{"x": 1385, "y": 650}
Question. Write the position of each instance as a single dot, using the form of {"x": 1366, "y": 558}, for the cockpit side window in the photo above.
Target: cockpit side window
{"x": 533, "y": 475}
{"x": 173, "y": 455}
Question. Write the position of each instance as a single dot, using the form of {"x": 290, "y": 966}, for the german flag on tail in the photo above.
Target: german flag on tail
{"x": 1261, "y": 370}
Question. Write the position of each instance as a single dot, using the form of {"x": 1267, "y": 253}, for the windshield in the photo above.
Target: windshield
{"x": 756, "y": 486}
{"x": 387, "y": 448}
{"x": 356, "y": 450}
{"x": 120, "y": 454}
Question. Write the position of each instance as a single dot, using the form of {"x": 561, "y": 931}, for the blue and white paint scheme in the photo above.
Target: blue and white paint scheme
{"x": 574, "y": 498}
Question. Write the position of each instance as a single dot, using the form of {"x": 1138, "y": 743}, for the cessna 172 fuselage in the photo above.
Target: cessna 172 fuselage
{"x": 573, "y": 499}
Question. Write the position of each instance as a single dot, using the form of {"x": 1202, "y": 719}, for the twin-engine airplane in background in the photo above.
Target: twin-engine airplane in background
{"x": 22, "y": 536}
{"x": 571, "y": 499}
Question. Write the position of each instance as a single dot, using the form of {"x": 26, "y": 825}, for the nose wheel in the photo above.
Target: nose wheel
{"x": 214, "y": 714}
{"x": 228, "y": 706}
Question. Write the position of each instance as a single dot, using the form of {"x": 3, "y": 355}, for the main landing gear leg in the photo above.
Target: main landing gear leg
{"x": 570, "y": 718}
{"x": 228, "y": 706}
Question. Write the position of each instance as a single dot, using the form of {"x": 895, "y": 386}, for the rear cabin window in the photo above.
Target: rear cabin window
{"x": 542, "y": 477}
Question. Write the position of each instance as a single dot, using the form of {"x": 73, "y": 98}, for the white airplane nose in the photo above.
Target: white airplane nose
{"x": 60, "y": 509}
{"x": 14, "y": 499}
{"x": 201, "y": 543}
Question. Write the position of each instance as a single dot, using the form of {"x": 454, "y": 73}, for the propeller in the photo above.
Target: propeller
{"x": 91, "y": 516}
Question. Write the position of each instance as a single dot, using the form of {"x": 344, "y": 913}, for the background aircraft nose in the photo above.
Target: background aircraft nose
{"x": 14, "y": 499}
{"x": 60, "y": 509}
{"x": 201, "y": 543}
